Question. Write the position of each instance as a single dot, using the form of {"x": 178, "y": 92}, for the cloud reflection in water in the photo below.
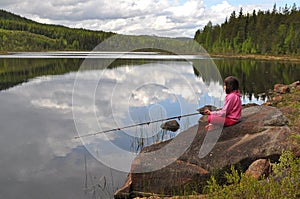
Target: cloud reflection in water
{"x": 129, "y": 95}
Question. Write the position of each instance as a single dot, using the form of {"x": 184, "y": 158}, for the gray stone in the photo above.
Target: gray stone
{"x": 187, "y": 161}
{"x": 172, "y": 125}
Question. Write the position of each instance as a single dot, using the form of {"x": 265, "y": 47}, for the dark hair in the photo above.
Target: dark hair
{"x": 231, "y": 83}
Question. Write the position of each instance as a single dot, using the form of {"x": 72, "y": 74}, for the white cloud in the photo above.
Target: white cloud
{"x": 159, "y": 17}
{"x": 224, "y": 9}
{"x": 188, "y": 9}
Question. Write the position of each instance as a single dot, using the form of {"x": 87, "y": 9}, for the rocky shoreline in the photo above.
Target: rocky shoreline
{"x": 251, "y": 147}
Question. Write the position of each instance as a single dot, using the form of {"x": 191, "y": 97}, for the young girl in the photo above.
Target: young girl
{"x": 231, "y": 111}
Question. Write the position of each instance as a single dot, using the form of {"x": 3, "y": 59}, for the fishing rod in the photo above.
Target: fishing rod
{"x": 139, "y": 124}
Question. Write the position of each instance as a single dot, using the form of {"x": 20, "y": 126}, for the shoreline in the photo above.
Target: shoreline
{"x": 287, "y": 58}
{"x": 290, "y": 58}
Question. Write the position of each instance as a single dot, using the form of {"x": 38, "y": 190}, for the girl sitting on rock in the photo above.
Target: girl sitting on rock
{"x": 231, "y": 111}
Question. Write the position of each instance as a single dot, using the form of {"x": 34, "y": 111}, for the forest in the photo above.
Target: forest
{"x": 275, "y": 32}
{"x": 20, "y": 34}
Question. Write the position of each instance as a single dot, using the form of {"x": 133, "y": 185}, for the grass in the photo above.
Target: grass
{"x": 283, "y": 183}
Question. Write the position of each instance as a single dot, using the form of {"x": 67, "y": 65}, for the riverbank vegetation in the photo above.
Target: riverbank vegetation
{"x": 275, "y": 32}
{"x": 283, "y": 183}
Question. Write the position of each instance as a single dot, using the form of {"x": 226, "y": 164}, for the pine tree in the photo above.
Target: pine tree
{"x": 264, "y": 32}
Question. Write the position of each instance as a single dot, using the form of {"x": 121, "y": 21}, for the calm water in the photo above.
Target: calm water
{"x": 48, "y": 99}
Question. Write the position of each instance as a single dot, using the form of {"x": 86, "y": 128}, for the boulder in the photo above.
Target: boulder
{"x": 259, "y": 168}
{"x": 186, "y": 162}
{"x": 281, "y": 88}
{"x": 295, "y": 84}
{"x": 171, "y": 125}
{"x": 206, "y": 107}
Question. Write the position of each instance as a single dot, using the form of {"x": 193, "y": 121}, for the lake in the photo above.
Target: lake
{"x": 48, "y": 99}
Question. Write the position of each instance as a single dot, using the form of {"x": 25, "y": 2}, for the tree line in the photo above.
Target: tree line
{"x": 20, "y": 34}
{"x": 261, "y": 32}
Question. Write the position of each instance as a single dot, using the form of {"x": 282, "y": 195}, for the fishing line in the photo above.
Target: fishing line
{"x": 139, "y": 124}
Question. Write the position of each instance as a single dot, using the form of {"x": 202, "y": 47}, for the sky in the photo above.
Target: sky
{"x": 167, "y": 18}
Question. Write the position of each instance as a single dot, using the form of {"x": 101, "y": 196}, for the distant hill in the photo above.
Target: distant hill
{"x": 10, "y": 16}
{"x": 20, "y": 34}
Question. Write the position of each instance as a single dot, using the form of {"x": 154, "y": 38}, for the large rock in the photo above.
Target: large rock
{"x": 186, "y": 162}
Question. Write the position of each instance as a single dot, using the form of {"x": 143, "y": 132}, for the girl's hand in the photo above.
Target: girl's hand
{"x": 207, "y": 112}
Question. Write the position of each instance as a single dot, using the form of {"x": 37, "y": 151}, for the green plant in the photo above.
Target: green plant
{"x": 284, "y": 182}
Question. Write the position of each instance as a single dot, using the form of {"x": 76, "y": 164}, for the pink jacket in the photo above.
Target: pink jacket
{"x": 233, "y": 106}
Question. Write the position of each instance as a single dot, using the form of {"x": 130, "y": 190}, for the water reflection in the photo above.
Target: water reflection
{"x": 16, "y": 71}
{"x": 39, "y": 155}
{"x": 135, "y": 94}
{"x": 258, "y": 76}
